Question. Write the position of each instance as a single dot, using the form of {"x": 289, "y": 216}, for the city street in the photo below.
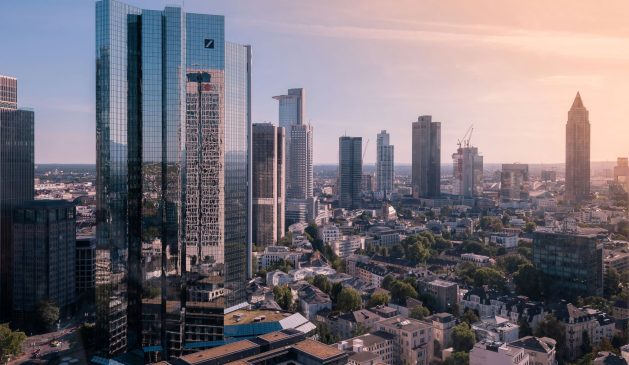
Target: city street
{"x": 69, "y": 351}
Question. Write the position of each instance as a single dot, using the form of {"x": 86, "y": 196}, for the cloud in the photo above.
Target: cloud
{"x": 578, "y": 45}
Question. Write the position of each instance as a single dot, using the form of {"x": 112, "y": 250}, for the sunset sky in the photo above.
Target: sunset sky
{"x": 511, "y": 68}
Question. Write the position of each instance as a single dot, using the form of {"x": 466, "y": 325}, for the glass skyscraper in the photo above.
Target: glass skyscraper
{"x": 301, "y": 206}
{"x": 426, "y": 165}
{"x": 350, "y": 172}
{"x": 268, "y": 180}
{"x": 173, "y": 165}
{"x": 17, "y": 167}
{"x": 384, "y": 163}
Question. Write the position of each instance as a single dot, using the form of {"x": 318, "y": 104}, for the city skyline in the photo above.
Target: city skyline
{"x": 507, "y": 77}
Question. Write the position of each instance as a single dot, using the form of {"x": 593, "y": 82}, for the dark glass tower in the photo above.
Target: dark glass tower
{"x": 17, "y": 165}
{"x": 268, "y": 181}
{"x": 350, "y": 172}
{"x": 426, "y": 169}
{"x": 173, "y": 166}
{"x": 44, "y": 248}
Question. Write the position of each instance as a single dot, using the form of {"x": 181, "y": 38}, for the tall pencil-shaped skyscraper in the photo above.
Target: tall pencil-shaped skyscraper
{"x": 577, "y": 152}
{"x": 173, "y": 169}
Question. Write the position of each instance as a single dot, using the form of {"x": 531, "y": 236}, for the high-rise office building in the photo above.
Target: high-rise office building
{"x": 17, "y": 167}
{"x": 514, "y": 181}
{"x": 350, "y": 172}
{"x": 367, "y": 183}
{"x": 384, "y": 163}
{"x": 577, "y": 152}
{"x": 426, "y": 159}
{"x": 44, "y": 245}
{"x": 468, "y": 172}
{"x": 268, "y": 180}
{"x": 299, "y": 162}
{"x": 572, "y": 263}
{"x": 292, "y": 107}
{"x": 173, "y": 169}
{"x": 621, "y": 173}
{"x": 300, "y": 204}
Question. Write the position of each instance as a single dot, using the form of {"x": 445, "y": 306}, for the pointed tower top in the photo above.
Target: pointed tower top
{"x": 577, "y": 103}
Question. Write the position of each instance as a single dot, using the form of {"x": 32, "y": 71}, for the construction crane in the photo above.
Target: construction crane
{"x": 365, "y": 148}
{"x": 465, "y": 141}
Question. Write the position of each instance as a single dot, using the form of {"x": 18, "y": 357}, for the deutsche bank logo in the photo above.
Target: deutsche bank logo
{"x": 209, "y": 43}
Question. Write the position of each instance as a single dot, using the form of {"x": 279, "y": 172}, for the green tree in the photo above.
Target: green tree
{"x": 312, "y": 231}
{"x": 458, "y": 358}
{"x": 497, "y": 226}
{"x": 10, "y": 341}
{"x": 485, "y": 223}
{"x": 348, "y": 300}
{"x": 599, "y": 303}
{"x": 281, "y": 265}
{"x": 419, "y": 312}
{"x": 530, "y": 227}
{"x": 287, "y": 240}
{"x": 324, "y": 334}
{"x": 463, "y": 338}
{"x": 401, "y": 290}
{"x": 469, "y": 316}
{"x": 490, "y": 277}
{"x": 283, "y": 296}
{"x": 525, "y": 327}
{"x": 47, "y": 313}
{"x": 387, "y": 282}
{"x": 335, "y": 291}
{"x": 511, "y": 263}
{"x": 442, "y": 243}
{"x": 418, "y": 253}
{"x": 555, "y": 329}
{"x": 379, "y": 299}
{"x": 611, "y": 284}
{"x": 528, "y": 281}
{"x": 322, "y": 282}
{"x": 526, "y": 252}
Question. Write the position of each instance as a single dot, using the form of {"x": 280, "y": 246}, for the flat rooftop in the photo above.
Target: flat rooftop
{"x": 274, "y": 336}
{"x": 317, "y": 349}
{"x": 206, "y": 355}
{"x": 247, "y": 316}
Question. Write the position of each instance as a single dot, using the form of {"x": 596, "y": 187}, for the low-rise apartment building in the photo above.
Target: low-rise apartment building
{"x": 497, "y": 353}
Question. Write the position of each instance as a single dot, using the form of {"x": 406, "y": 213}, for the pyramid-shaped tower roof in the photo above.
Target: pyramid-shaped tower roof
{"x": 577, "y": 103}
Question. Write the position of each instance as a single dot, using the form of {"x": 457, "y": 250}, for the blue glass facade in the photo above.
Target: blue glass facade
{"x": 350, "y": 172}
{"x": 172, "y": 125}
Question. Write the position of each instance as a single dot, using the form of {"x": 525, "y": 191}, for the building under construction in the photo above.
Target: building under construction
{"x": 468, "y": 168}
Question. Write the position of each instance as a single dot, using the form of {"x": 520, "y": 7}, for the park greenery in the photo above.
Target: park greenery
{"x": 11, "y": 342}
